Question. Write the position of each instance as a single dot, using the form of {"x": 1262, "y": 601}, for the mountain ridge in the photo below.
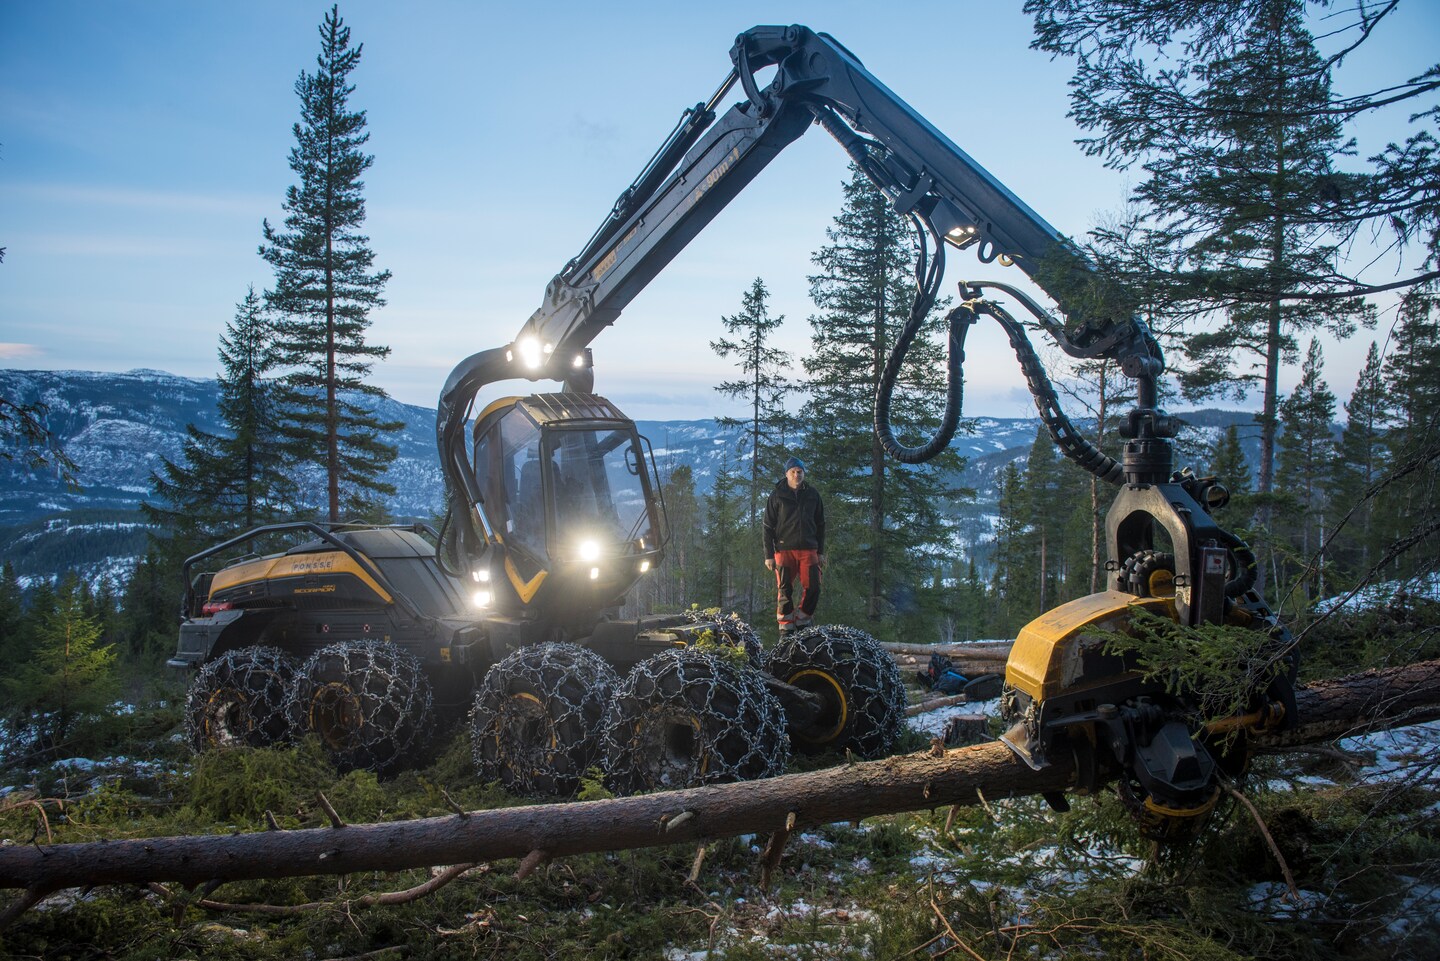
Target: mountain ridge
{"x": 117, "y": 427}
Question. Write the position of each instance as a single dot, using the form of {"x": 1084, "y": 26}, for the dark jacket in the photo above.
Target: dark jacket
{"x": 794, "y": 519}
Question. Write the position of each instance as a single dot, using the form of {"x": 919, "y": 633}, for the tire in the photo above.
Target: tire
{"x": 857, "y": 680}
{"x": 685, "y": 717}
{"x": 536, "y": 721}
{"x": 239, "y": 699}
{"x": 730, "y": 630}
{"x": 369, "y": 702}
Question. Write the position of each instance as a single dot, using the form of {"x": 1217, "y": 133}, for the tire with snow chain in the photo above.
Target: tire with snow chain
{"x": 858, "y": 682}
{"x": 730, "y": 630}
{"x": 238, "y": 700}
{"x": 535, "y": 726}
{"x": 369, "y": 702}
{"x": 686, "y": 717}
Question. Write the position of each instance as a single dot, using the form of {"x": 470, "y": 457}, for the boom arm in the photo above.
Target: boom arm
{"x": 706, "y": 162}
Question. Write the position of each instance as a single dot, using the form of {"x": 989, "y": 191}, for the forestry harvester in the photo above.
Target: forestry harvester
{"x": 554, "y": 513}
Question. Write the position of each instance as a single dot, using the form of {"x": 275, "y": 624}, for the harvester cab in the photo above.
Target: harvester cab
{"x": 572, "y": 505}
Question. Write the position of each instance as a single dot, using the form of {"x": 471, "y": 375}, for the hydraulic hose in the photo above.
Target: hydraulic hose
{"x": 1062, "y": 430}
{"x": 928, "y": 274}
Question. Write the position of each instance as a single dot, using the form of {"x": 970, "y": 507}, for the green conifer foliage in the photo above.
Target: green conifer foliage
{"x": 1306, "y": 453}
{"x": 732, "y": 547}
{"x": 326, "y": 286}
{"x": 675, "y": 582}
{"x": 1231, "y": 113}
{"x": 1411, "y": 502}
{"x": 885, "y": 520}
{"x": 13, "y": 645}
{"x": 229, "y": 483}
{"x": 763, "y": 387}
{"x": 1361, "y": 457}
{"x": 1229, "y": 465}
{"x": 68, "y": 672}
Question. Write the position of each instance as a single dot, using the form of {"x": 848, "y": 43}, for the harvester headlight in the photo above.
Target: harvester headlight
{"x": 480, "y": 599}
{"x": 530, "y": 352}
{"x": 644, "y": 566}
{"x": 589, "y": 550}
{"x": 480, "y": 575}
{"x": 594, "y": 573}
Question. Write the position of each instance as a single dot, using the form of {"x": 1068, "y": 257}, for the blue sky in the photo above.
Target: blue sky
{"x": 142, "y": 144}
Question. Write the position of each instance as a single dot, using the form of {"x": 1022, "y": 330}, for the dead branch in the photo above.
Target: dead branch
{"x": 1294, "y": 893}
{"x": 284, "y": 910}
{"x": 848, "y": 792}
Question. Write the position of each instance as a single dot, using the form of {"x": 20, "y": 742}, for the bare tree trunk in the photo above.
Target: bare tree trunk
{"x": 963, "y": 776}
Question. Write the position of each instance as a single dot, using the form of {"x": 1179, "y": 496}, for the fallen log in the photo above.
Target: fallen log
{"x": 974, "y": 659}
{"x": 536, "y": 833}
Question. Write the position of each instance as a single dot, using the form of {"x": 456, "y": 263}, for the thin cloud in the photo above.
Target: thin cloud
{"x": 82, "y": 195}
{"x": 19, "y": 351}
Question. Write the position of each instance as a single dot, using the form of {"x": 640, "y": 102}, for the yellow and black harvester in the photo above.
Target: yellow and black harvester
{"x": 553, "y": 511}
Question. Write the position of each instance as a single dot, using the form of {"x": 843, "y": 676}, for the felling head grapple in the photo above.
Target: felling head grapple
{"x": 1073, "y": 689}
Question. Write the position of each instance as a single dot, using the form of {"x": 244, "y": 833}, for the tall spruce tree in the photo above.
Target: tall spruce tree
{"x": 886, "y": 520}
{"x": 763, "y": 387}
{"x": 228, "y": 483}
{"x": 1238, "y": 132}
{"x": 325, "y": 288}
{"x": 1306, "y": 453}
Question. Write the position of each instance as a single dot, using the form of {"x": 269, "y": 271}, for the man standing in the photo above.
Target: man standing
{"x": 795, "y": 545}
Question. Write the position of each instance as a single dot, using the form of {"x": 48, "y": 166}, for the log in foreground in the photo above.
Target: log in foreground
{"x": 1369, "y": 701}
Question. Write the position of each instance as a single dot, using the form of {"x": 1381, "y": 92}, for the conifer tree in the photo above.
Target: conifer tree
{"x": 1042, "y": 498}
{"x": 228, "y": 483}
{"x": 25, "y": 437}
{"x": 326, "y": 286}
{"x": 68, "y": 672}
{"x": 1306, "y": 451}
{"x": 1015, "y": 558}
{"x": 731, "y": 548}
{"x": 763, "y": 387}
{"x": 882, "y": 553}
{"x": 673, "y": 584}
{"x": 12, "y": 619}
{"x": 1231, "y": 468}
{"x": 1412, "y": 498}
{"x": 1360, "y": 459}
{"x": 1238, "y": 132}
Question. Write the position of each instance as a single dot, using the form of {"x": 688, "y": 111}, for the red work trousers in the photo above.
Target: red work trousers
{"x": 789, "y": 565}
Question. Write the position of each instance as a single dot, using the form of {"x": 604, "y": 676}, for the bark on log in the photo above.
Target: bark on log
{"x": 1373, "y": 700}
{"x": 988, "y": 656}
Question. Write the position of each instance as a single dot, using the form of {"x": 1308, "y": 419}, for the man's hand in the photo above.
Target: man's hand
{"x": 770, "y": 563}
{"x": 820, "y": 559}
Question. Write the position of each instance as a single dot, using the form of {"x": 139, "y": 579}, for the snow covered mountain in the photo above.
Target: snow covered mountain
{"x": 118, "y": 427}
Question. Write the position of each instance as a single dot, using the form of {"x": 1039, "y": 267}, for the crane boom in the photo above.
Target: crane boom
{"x": 707, "y": 160}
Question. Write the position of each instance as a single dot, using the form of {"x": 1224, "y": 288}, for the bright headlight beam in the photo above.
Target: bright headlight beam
{"x": 530, "y": 352}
